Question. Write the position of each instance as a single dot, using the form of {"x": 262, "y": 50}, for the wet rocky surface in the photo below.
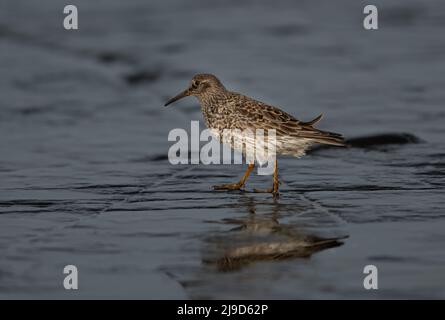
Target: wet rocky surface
{"x": 85, "y": 179}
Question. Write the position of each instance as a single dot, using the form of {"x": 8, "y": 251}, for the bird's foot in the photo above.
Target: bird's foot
{"x": 228, "y": 186}
{"x": 273, "y": 191}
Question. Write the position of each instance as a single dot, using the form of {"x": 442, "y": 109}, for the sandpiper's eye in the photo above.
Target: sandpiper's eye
{"x": 195, "y": 84}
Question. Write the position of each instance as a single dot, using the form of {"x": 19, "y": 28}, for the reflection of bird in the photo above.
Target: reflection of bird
{"x": 262, "y": 236}
{"x": 300, "y": 247}
{"x": 223, "y": 109}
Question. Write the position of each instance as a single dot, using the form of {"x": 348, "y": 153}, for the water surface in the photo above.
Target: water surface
{"x": 84, "y": 178}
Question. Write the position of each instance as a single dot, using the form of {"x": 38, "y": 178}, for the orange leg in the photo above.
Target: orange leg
{"x": 276, "y": 182}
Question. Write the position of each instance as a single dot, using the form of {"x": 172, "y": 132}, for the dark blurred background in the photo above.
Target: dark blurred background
{"x": 84, "y": 177}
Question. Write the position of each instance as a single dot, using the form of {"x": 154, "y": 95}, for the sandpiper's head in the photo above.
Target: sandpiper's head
{"x": 200, "y": 84}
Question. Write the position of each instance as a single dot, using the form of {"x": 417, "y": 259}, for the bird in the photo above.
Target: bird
{"x": 223, "y": 109}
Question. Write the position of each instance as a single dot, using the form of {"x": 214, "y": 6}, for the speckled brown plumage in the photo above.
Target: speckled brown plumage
{"x": 224, "y": 109}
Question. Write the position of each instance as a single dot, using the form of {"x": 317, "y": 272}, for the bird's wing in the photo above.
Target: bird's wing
{"x": 314, "y": 121}
{"x": 258, "y": 115}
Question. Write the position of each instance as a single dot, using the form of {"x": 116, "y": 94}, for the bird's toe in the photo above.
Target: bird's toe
{"x": 272, "y": 191}
{"x": 228, "y": 186}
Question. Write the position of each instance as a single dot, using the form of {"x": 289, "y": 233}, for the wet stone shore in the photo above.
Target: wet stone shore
{"x": 85, "y": 179}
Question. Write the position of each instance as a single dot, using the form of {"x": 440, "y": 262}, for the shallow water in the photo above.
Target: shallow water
{"x": 84, "y": 178}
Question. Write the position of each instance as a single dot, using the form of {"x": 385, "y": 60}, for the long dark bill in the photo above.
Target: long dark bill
{"x": 183, "y": 94}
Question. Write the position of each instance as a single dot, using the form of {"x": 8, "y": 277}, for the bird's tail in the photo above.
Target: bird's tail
{"x": 320, "y": 136}
{"x": 326, "y": 137}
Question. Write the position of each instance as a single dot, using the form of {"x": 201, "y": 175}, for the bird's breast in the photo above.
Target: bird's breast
{"x": 218, "y": 117}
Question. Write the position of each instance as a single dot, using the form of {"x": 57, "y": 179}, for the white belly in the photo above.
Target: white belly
{"x": 261, "y": 148}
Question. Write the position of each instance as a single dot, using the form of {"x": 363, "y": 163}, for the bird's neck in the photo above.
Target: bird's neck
{"x": 213, "y": 104}
{"x": 212, "y": 98}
